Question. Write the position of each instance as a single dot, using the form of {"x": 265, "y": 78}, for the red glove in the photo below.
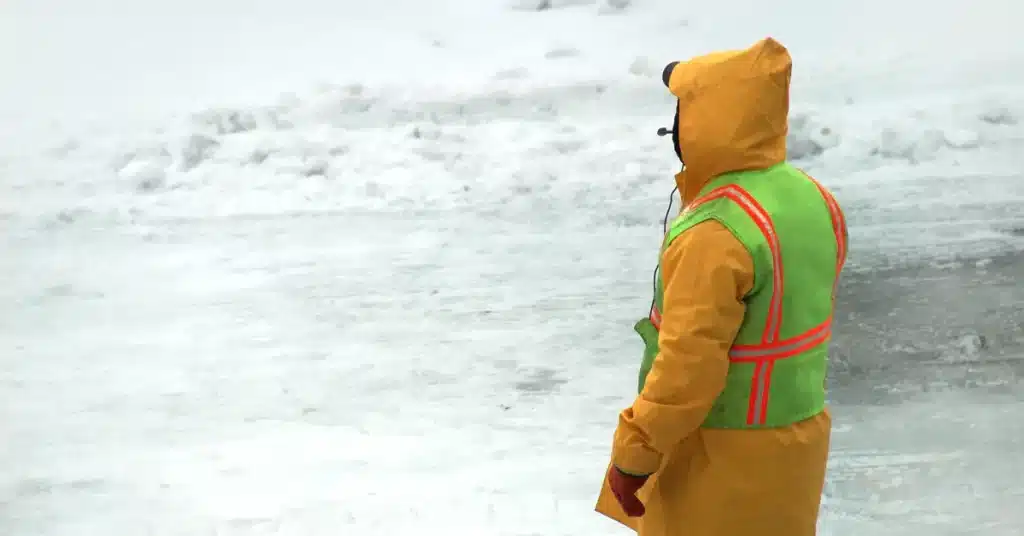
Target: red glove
{"x": 624, "y": 487}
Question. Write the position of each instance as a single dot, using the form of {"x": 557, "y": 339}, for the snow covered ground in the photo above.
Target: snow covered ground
{"x": 370, "y": 268}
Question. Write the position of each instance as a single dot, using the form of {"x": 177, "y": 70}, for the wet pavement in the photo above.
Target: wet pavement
{"x": 928, "y": 401}
{"x": 930, "y": 327}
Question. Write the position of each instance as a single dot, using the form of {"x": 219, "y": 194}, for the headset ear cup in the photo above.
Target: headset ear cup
{"x": 666, "y": 74}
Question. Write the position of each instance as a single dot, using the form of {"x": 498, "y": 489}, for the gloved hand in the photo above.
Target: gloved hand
{"x": 624, "y": 487}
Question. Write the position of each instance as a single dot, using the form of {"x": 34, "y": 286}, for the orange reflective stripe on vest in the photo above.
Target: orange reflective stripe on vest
{"x": 747, "y": 353}
{"x": 838, "y": 227}
{"x": 769, "y": 350}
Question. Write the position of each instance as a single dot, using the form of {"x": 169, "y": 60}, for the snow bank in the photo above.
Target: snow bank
{"x": 352, "y": 147}
{"x": 503, "y": 107}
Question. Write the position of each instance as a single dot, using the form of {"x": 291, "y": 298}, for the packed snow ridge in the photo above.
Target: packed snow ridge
{"x": 374, "y": 148}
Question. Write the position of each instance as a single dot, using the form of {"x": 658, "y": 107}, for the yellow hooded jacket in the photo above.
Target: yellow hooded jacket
{"x": 733, "y": 109}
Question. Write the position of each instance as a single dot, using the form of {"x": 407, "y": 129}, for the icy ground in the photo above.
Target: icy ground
{"x": 399, "y": 301}
{"x": 279, "y": 376}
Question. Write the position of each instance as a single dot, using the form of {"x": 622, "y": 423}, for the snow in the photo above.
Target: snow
{"x": 369, "y": 268}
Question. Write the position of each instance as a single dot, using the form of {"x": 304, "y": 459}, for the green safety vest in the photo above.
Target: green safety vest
{"x": 796, "y": 236}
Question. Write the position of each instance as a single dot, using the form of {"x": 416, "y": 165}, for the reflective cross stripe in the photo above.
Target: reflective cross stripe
{"x": 746, "y": 353}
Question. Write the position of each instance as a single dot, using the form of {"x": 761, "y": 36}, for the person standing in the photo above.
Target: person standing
{"x": 729, "y": 434}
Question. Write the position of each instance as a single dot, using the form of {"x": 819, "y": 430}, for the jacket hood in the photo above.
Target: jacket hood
{"x": 732, "y": 112}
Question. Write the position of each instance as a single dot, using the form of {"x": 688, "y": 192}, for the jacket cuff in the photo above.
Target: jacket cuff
{"x": 636, "y": 460}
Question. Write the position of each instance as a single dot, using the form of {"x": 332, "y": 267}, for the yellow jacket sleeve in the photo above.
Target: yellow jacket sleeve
{"x": 706, "y": 272}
